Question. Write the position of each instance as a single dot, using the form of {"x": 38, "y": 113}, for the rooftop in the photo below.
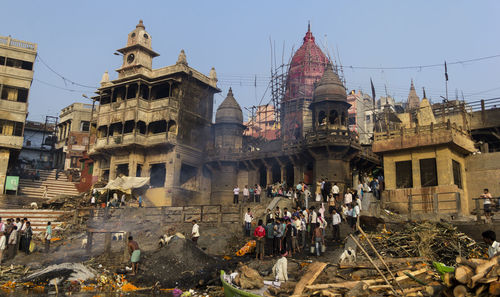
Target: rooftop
{"x": 11, "y": 42}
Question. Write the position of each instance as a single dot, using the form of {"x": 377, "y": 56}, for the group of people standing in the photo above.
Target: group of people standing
{"x": 250, "y": 194}
{"x": 17, "y": 232}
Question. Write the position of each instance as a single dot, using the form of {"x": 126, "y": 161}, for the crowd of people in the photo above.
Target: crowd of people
{"x": 16, "y": 234}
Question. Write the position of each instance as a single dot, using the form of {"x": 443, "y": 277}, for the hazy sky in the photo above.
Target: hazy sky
{"x": 77, "y": 39}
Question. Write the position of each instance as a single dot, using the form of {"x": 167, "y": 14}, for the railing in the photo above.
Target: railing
{"x": 431, "y": 205}
{"x": 428, "y": 129}
{"x": 17, "y": 43}
{"x": 479, "y": 206}
{"x": 484, "y": 104}
{"x": 208, "y": 214}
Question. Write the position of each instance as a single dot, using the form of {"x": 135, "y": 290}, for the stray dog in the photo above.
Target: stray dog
{"x": 34, "y": 205}
{"x": 348, "y": 256}
{"x": 84, "y": 242}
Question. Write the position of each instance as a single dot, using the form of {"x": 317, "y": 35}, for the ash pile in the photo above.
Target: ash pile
{"x": 179, "y": 264}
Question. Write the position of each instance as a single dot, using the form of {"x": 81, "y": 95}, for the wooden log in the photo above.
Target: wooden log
{"x": 481, "y": 289}
{"x": 434, "y": 290}
{"x": 389, "y": 261}
{"x": 330, "y": 293}
{"x": 482, "y": 270}
{"x": 309, "y": 277}
{"x": 460, "y": 291}
{"x": 472, "y": 263}
{"x": 494, "y": 289}
{"x": 371, "y": 261}
{"x": 448, "y": 279}
{"x": 360, "y": 289}
{"x": 351, "y": 284}
{"x": 463, "y": 274}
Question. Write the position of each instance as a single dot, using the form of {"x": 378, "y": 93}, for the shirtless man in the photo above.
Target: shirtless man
{"x": 135, "y": 254}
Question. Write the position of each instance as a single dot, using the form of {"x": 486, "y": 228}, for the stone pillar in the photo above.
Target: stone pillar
{"x": 283, "y": 173}
{"x": 112, "y": 168}
{"x": 269, "y": 175}
{"x": 298, "y": 173}
{"x": 224, "y": 178}
{"x": 4, "y": 163}
{"x": 337, "y": 171}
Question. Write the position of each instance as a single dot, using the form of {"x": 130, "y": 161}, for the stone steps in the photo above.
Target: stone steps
{"x": 35, "y": 188}
{"x": 37, "y": 217}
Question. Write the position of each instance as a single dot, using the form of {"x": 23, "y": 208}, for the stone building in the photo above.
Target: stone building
{"x": 16, "y": 74}
{"x": 73, "y": 135}
{"x": 155, "y": 123}
{"x": 424, "y": 160}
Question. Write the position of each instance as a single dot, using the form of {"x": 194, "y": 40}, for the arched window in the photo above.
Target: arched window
{"x": 334, "y": 117}
{"x": 322, "y": 118}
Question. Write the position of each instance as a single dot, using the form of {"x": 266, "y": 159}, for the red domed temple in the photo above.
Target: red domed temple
{"x": 306, "y": 68}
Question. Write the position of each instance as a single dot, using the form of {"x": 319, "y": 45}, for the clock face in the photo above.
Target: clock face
{"x": 130, "y": 58}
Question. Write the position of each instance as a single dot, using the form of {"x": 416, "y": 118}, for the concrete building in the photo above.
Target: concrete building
{"x": 155, "y": 123}
{"x": 73, "y": 135}
{"x": 38, "y": 146}
{"x": 361, "y": 116}
{"x": 16, "y": 74}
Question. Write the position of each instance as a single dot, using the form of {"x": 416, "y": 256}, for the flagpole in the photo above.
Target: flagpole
{"x": 446, "y": 79}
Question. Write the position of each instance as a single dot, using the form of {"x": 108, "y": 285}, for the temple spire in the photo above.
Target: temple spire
{"x": 308, "y": 26}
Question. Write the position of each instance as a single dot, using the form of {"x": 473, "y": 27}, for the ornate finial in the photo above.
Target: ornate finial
{"x": 412, "y": 86}
{"x": 423, "y": 88}
{"x": 140, "y": 25}
{"x": 308, "y": 26}
{"x": 212, "y": 75}
{"x": 105, "y": 78}
{"x": 182, "y": 58}
{"x": 230, "y": 92}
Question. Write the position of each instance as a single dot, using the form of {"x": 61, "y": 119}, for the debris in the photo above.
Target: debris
{"x": 248, "y": 278}
{"x": 60, "y": 273}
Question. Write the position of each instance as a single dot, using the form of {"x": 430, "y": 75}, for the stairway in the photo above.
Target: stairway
{"x": 35, "y": 189}
{"x": 37, "y": 217}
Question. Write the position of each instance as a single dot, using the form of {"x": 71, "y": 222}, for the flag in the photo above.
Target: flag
{"x": 445, "y": 71}
{"x": 373, "y": 92}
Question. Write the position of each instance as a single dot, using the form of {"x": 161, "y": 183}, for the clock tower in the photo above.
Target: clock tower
{"x": 138, "y": 54}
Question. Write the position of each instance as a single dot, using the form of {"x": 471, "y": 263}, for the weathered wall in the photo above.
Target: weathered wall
{"x": 483, "y": 171}
{"x": 444, "y": 157}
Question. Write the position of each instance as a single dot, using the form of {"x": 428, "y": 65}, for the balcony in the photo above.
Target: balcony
{"x": 9, "y": 141}
{"x": 11, "y": 42}
{"x": 121, "y": 141}
{"x": 431, "y": 135}
{"x": 17, "y": 72}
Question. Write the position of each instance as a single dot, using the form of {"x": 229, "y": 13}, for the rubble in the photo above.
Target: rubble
{"x": 61, "y": 273}
{"x": 179, "y": 258}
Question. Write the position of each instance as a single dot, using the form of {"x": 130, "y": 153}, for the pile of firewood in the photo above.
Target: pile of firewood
{"x": 440, "y": 242}
{"x": 476, "y": 277}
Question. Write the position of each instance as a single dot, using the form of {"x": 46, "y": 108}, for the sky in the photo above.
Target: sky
{"x": 77, "y": 39}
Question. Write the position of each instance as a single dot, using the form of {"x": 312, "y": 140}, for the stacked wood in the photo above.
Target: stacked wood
{"x": 441, "y": 242}
{"x": 478, "y": 277}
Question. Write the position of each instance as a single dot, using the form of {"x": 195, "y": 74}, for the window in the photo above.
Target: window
{"x": 85, "y": 140}
{"x": 157, "y": 175}
{"x": 74, "y": 162}
{"x": 428, "y": 172}
{"x": 404, "y": 178}
{"x": 457, "y": 173}
{"x": 85, "y": 126}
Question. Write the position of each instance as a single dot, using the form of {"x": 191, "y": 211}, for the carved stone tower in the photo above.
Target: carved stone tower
{"x": 138, "y": 54}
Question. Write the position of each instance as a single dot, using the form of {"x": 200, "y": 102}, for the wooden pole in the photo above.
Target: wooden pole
{"x": 374, "y": 265}
{"x": 379, "y": 256}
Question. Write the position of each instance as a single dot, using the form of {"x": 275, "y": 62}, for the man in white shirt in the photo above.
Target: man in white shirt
{"x": 490, "y": 238}
{"x": 286, "y": 213}
{"x": 236, "y": 192}
{"x": 336, "y": 220}
{"x": 246, "y": 194}
{"x": 11, "y": 244}
{"x": 335, "y": 191}
{"x": 313, "y": 215}
{"x": 195, "y": 233}
{"x": 348, "y": 197}
{"x": 280, "y": 269}
{"x": 2, "y": 226}
{"x": 248, "y": 222}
